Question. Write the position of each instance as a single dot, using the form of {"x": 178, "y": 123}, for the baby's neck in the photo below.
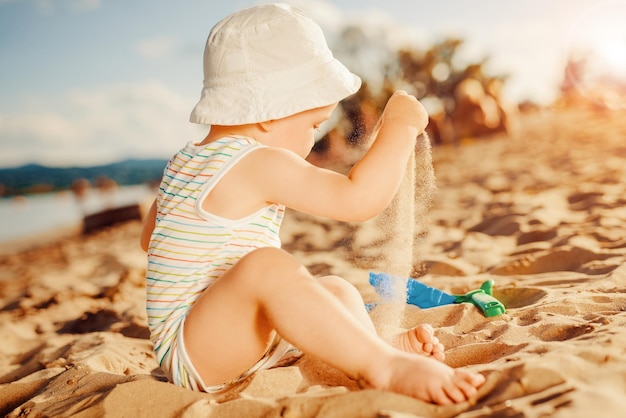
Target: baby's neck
{"x": 220, "y": 131}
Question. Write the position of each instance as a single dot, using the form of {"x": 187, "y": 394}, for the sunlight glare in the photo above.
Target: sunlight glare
{"x": 613, "y": 51}
{"x": 599, "y": 39}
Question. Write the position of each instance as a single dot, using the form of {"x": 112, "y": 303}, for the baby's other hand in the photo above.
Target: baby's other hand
{"x": 403, "y": 108}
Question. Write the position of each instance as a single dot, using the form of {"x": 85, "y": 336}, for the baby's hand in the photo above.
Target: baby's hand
{"x": 403, "y": 108}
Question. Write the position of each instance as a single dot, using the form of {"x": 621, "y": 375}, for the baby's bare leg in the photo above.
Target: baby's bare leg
{"x": 230, "y": 325}
{"x": 419, "y": 340}
{"x": 349, "y": 297}
{"x": 228, "y": 329}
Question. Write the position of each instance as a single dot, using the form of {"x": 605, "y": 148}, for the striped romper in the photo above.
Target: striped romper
{"x": 190, "y": 248}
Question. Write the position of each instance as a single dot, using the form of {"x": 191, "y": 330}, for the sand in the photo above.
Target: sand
{"x": 542, "y": 214}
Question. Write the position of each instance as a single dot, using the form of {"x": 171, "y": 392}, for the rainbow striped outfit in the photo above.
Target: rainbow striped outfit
{"x": 191, "y": 248}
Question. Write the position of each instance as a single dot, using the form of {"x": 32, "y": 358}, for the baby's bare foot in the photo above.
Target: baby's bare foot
{"x": 420, "y": 340}
{"x": 429, "y": 380}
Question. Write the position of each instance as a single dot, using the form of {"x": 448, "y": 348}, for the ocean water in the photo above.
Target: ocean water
{"x": 28, "y": 216}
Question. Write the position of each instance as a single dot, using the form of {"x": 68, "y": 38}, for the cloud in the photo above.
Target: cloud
{"x": 531, "y": 51}
{"x": 326, "y": 14}
{"x": 79, "y": 5}
{"x": 47, "y": 6}
{"x": 157, "y": 48}
{"x": 364, "y": 39}
{"x": 100, "y": 125}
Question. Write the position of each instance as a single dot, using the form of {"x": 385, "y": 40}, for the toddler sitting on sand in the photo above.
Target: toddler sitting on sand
{"x": 223, "y": 298}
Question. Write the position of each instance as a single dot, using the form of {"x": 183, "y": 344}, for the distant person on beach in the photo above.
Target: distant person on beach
{"x": 223, "y": 299}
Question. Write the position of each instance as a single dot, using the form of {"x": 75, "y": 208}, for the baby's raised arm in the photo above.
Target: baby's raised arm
{"x": 382, "y": 167}
{"x": 370, "y": 185}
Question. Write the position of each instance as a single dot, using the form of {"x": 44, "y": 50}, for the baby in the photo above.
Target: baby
{"x": 223, "y": 299}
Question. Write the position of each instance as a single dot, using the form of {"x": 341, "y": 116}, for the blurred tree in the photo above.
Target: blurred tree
{"x": 462, "y": 100}
{"x": 587, "y": 83}
{"x": 573, "y": 75}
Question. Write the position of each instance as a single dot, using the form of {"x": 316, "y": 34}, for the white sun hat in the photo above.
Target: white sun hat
{"x": 268, "y": 62}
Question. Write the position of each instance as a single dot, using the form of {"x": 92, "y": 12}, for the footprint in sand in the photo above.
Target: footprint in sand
{"x": 538, "y": 235}
{"x": 471, "y": 354}
{"x": 519, "y": 297}
{"x": 509, "y": 224}
{"x": 104, "y": 320}
{"x": 585, "y": 201}
{"x": 566, "y": 258}
{"x": 518, "y": 389}
{"x": 560, "y": 332}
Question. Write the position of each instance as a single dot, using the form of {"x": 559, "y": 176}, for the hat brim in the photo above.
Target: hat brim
{"x": 283, "y": 93}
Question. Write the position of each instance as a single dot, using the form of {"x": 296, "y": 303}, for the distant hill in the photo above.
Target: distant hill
{"x": 33, "y": 178}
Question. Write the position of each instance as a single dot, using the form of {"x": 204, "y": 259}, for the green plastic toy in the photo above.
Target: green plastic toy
{"x": 425, "y": 296}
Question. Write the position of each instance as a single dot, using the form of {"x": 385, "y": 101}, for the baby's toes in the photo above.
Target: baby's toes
{"x": 438, "y": 352}
{"x": 439, "y": 356}
{"x": 425, "y": 333}
{"x": 475, "y": 380}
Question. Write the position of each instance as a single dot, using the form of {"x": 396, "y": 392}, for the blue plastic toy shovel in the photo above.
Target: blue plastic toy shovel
{"x": 424, "y": 296}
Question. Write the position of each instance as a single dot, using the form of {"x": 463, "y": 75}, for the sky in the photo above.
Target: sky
{"x": 87, "y": 82}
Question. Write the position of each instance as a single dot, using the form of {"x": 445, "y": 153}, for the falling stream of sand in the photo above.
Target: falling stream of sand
{"x": 400, "y": 228}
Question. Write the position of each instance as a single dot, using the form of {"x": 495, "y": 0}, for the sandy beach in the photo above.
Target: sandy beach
{"x": 541, "y": 213}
